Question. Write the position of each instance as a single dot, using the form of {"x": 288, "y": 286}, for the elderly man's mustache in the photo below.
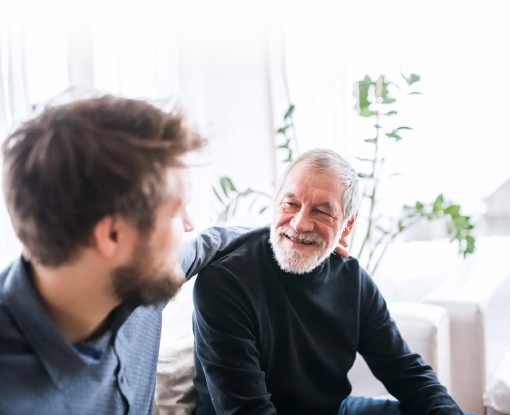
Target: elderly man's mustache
{"x": 311, "y": 238}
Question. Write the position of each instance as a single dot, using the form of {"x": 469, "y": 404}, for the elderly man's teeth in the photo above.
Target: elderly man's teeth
{"x": 301, "y": 242}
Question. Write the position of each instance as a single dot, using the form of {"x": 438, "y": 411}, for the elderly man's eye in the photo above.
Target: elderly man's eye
{"x": 290, "y": 204}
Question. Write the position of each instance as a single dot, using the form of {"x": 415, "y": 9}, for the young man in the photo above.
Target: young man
{"x": 97, "y": 194}
{"x": 278, "y": 321}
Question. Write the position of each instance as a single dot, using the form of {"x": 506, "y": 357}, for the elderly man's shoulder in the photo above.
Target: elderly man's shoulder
{"x": 349, "y": 264}
{"x": 349, "y": 267}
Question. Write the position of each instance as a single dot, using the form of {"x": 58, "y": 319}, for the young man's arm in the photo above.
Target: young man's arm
{"x": 208, "y": 246}
{"x": 225, "y": 347}
{"x": 404, "y": 373}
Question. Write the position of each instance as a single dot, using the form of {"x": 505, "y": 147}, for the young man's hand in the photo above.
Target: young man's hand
{"x": 341, "y": 248}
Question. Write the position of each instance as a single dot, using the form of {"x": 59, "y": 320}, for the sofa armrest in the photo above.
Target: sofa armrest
{"x": 426, "y": 329}
{"x": 479, "y": 310}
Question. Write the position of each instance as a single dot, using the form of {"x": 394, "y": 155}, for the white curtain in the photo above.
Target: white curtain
{"x": 14, "y": 108}
{"x": 234, "y": 65}
{"x": 310, "y": 52}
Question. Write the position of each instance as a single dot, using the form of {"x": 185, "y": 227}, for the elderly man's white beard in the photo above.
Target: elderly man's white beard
{"x": 297, "y": 261}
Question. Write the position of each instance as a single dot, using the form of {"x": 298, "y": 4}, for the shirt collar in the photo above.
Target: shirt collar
{"x": 59, "y": 356}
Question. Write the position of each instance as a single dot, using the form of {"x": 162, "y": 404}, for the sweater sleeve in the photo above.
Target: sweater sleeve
{"x": 208, "y": 246}
{"x": 404, "y": 373}
{"x": 226, "y": 344}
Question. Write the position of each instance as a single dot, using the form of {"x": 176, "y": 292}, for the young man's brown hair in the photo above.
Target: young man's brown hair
{"x": 76, "y": 163}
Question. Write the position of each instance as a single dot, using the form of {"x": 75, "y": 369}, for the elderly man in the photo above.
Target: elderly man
{"x": 279, "y": 320}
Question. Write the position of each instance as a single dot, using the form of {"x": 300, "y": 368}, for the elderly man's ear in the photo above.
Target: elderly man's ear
{"x": 349, "y": 226}
{"x": 342, "y": 246}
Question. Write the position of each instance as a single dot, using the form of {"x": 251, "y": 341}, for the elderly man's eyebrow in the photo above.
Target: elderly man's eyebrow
{"x": 289, "y": 194}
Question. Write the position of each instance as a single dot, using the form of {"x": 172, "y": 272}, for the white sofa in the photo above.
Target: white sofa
{"x": 479, "y": 309}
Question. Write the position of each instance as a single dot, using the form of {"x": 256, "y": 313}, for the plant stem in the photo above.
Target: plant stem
{"x": 374, "y": 188}
{"x": 233, "y": 202}
{"x": 287, "y": 93}
{"x": 388, "y": 243}
{"x": 392, "y": 238}
{"x": 372, "y": 251}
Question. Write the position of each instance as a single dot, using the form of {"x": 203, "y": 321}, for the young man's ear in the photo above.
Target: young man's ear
{"x": 105, "y": 236}
{"x": 349, "y": 226}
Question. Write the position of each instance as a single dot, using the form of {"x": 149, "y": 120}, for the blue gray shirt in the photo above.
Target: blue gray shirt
{"x": 41, "y": 372}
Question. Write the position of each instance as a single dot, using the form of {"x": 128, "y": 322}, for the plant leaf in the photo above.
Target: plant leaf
{"x": 230, "y": 184}
{"x": 363, "y": 101}
{"x": 381, "y": 91}
{"x": 394, "y": 135}
{"x": 362, "y": 159}
{"x": 364, "y": 176}
{"x": 289, "y": 112}
{"x": 414, "y": 78}
{"x": 286, "y": 145}
{"x": 438, "y": 204}
{"x": 392, "y": 113}
{"x": 224, "y": 185}
{"x": 470, "y": 242}
{"x": 371, "y": 140}
{"x": 452, "y": 210}
{"x": 414, "y": 93}
{"x": 403, "y": 128}
{"x": 282, "y": 130}
{"x": 263, "y": 210}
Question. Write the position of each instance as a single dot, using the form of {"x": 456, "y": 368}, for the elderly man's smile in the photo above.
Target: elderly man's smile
{"x": 298, "y": 243}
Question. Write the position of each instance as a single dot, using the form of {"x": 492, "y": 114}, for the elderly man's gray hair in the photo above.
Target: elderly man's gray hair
{"x": 323, "y": 160}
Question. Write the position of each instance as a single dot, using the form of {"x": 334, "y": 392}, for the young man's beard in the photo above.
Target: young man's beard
{"x": 143, "y": 282}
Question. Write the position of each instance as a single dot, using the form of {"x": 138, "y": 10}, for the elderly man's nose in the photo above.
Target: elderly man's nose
{"x": 302, "y": 222}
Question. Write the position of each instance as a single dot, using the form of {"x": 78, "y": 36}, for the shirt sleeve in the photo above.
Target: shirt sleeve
{"x": 208, "y": 246}
{"x": 405, "y": 374}
{"x": 226, "y": 345}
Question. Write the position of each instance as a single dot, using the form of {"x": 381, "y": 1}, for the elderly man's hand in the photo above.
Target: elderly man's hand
{"x": 341, "y": 248}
